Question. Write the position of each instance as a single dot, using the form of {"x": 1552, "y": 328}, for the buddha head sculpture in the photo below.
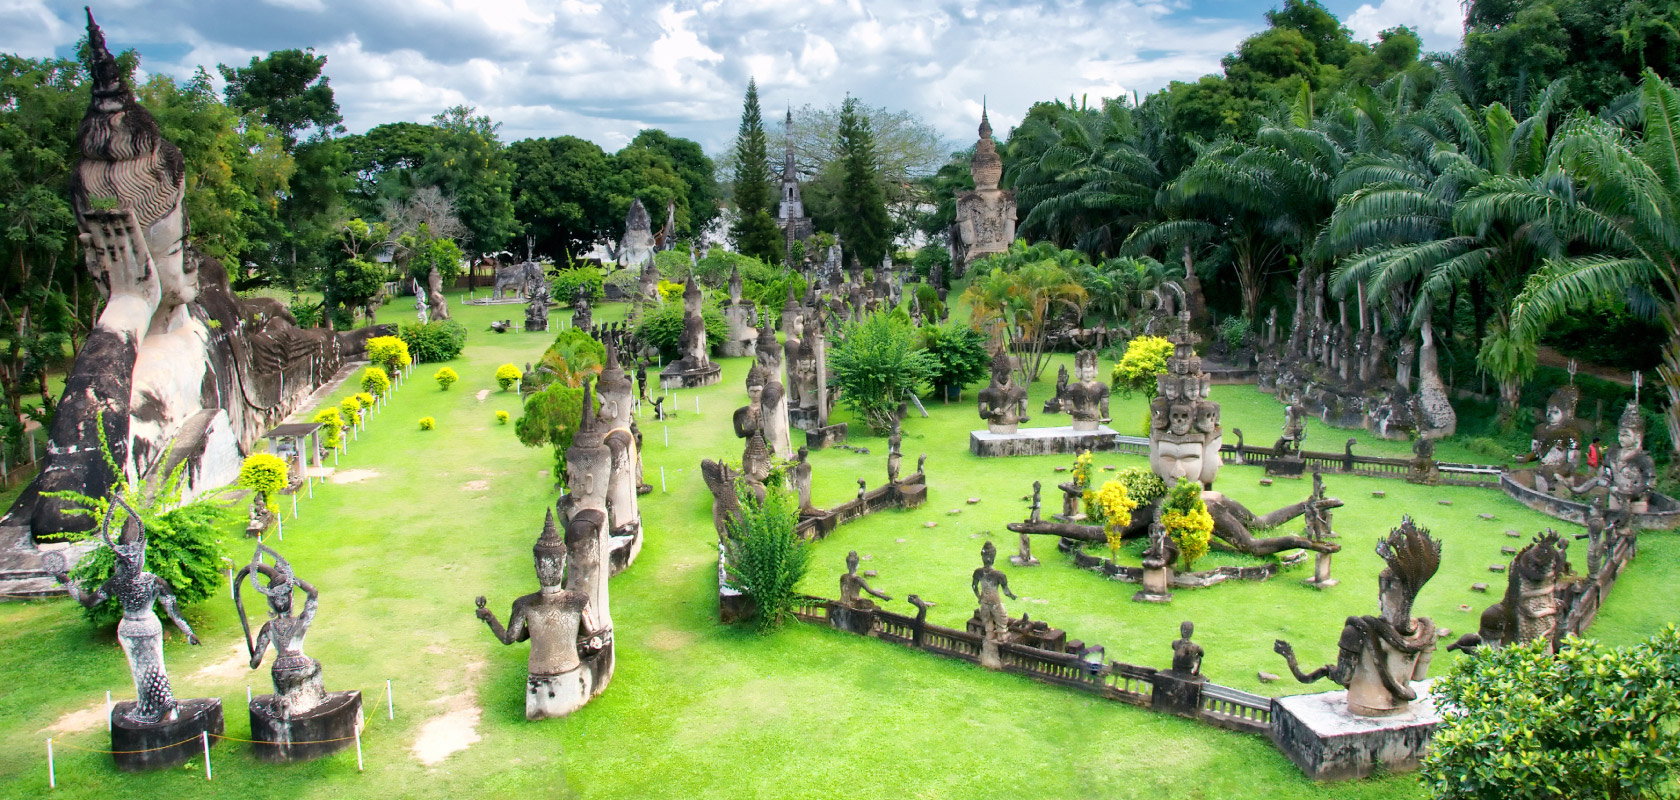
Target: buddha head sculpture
{"x": 549, "y": 554}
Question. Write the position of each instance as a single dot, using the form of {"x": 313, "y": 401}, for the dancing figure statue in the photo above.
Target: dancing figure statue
{"x": 297, "y": 677}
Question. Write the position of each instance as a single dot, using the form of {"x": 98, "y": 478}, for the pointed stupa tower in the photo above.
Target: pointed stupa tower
{"x": 796, "y": 227}
{"x": 985, "y": 215}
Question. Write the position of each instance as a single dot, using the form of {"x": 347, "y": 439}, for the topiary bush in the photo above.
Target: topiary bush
{"x": 389, "y": 352}
{"x": 507, "y": 375}
{"x": 1114, "y": 510}
{"x": 332, "y": 427}
{"x": 350, "y": 409}
{"x": 432, "y": 342}
{"x": 959, "y": 353}
{"x": 1145, "y": 358}
{"x": 671, "y": 292}
{"x": 427, "y": 423}
{"x": 375, "y": 381}
{"x": 502, "y": 417}
{"x": 1142, "y": 484}
{"x": 565, "y": 285}
{"x": 1187, "y": 521}
{"x": 264, "y": 473}
{"x": 365, "y": 399}
{"x": 444, "y": 377}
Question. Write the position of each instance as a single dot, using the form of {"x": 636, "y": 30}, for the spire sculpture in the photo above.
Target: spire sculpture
{"x": 986, "y": 214}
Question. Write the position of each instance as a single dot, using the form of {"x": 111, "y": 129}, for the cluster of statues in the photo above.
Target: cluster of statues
{"x": 695, "y": 368}
{"x": 1085, "y": 398}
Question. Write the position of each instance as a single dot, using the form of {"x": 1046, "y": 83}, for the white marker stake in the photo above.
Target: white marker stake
{"x": 204, "y": 736}
{"x": 294, "y": 506}
{"x": 358, "y": 748}
{"x": 662, "y": 479}
{"x": 390, "y": 703}
{"x": 108, "y": 694}
{"x": 231, "y": 594}
{"x": 247, "y": 695}
{"x": 280, "y": 528}
{"x": 697, "y": 405}
{"x": 52, "y": 777}
{"x": 667, "y": 435}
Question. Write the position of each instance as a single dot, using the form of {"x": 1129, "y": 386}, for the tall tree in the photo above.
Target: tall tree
{"x": 560, "y": 197}
{"x": 289, "y": 90}
{"x": 696, "y": 170}
{"x": 863, "y": 224}
{"x": 754, "y": 230}
{"x": 467, "y": 161}
{"x": 1514, "y": 46}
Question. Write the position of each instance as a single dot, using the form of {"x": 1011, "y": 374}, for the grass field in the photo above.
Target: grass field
{"x": 702, "y": 710}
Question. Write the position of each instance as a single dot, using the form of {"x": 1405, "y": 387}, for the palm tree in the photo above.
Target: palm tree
{"x": 1020, "y": 293}
{"x": 1624, "y": 215}
{"x": 1081, "y": 178}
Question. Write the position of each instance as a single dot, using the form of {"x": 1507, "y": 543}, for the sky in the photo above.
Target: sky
{"x": 604, "y": 69}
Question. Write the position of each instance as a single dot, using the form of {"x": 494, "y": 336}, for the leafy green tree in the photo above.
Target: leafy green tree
{"x": 427, "y": 254}
{"x": 879, "y": 363}
{"x": 551, "y": 418}
{"x": 638, "y": 172}
{"x": 862, "y": 223}
{"x": 754, "y": 230}
{"x": 1018, "y": 294}
{"x": 765, "y": 556}
{"x": 698, "y": 173}
{"x": 290, "y": 91}
{"x": 1513, "y": 46}
{"x": 468, "y": 163}
{"x": 1083, "y": 177}
{"x": 959, "y": 354}
{"x": 383, "y": 161}
{"x": 663, "y": 328}
{"x": 560, "y": 196}
{"x": 1590, "y": 721}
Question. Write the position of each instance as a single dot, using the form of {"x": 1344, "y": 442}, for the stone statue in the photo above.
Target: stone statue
{"x": 1294, "y": 431}
{"x": 1438, "y": 419}
{"x": 1597, "y": 537}
{"x": 647, "y": 286}
{"x": 1033, "y": 512}
{"x": 439, "y": 309}
{"x": 1158, "y": 561}
{"x": 1632, "y": 471}
{"x": 555, "y": 620}
{"x": 1058, "y": 403}
{"x": 986, "y": 215}
{"x": 1184, "y": 432}
{"x": 1024, "y": 557}
{"x": 695, "y": 368}
{"x": 755, "y": 465}
{"x": 1003, "y": 405}
{"x": 1381, "y": 656}
{"x": 176, "y": 368}
{"x": 987, "y": 583}
{"x": 778, "y": 433}
{"x": 894, "y": 456}
{"x": 863, "y": 489}
{"x": 1086, "y": 400}
{"x": 590, "y": 465}
{"x": 583, "y": 317}
{"x": 1531, "y": 606}
{"x": 1556, "y": 443}
{"x": 421, "y": 307}
{"x": 140, "y": 633}
{"x": 536, "y": 307}
{"x": 1319, "y": 529}
{"x": 738, "y": 315}
{"x": 616, "y": 416}
{"x": 853, "y": 586}
{"x": 641, "y": 381}
{"x": 1187, "y": 655}
{"x": 297, "y": 677}
{"x": 635, "y": 249}
{"x": 800, "y": 474}
{"x": 261, "y": 518}
{"x": 749, "y": 419}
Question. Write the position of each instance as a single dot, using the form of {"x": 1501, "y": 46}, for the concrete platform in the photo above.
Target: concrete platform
{"x": 1041, "y": 441}
{"x": 1329, "y": 743}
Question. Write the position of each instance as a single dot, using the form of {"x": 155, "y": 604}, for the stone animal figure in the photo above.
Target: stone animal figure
{"x": 516, "y": 280}
{"x": 1529, "y": 610}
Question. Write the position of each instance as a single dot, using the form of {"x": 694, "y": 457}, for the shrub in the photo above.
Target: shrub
{"x": 574, "y": 356}
{"x": 1187, "y": 521}
{"x": 1145, "y": 357}
{"x": 351, "y": 410}
{"x": 440, "y": 340}
{"x": 1082, "y": 470}
{"x": 877, "y": 364}
{"x": 502, "y": 417}
{"x": 427, "y": 423}
{"x": 766, "y": 557}
{"x": 567, "y": 282}
{"x": 1142, "y": 484}
{"x": 930, "y": 256}
{"x": 183, "y": 539}
{"x": 663, "y": 327}
{"x": 625, "y": 280}
{"x": 551, "y": 418}
{"x": 507, "y": 375}
{"x": 306, "y": 312}
{"x": 332, "y": 427}
{"x": 1114, "y": 509}
{"x": 265, "y": 474}
{"x": 365, "y": 400}
{"x": 671, "y": 292}
{"x": 375, "y": 381}
{"x": 389, "y": 352}
{"x": 1591, "y": 721}
{"x": 444, "y": 377}
{"x": 959, "y": 353}
{"x": 1233, "y": 330}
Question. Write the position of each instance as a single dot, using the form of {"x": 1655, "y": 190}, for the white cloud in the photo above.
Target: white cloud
{"x": 29, "y": 29}
{"x": 1439, "y": 22}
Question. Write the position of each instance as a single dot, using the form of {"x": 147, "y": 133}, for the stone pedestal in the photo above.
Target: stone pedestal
{"x": 819, "y": 438}
{"x": 859, "y": 619}
{"x": 164, "y": 744}
{"x": 802, "y": 417}
{"x": 1173, "y": 693}
{"x": 324, "y": 730}
{"x": 1321, "y": 572}
{"x": 1086, "y": 425}
{"x": 1029, "y": 561}
{"x": 625, "y": 545}
{"x": 1041, "y": 441}
{"x": 1286, "y": 467}
{"x": 1157, "y": 586}
{"x": 690, "y": 379}
{"x": 1329, "y": 743}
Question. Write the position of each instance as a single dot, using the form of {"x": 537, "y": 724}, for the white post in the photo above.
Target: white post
{"x": 294, "y": 505}
{"x": 390, "y": 703}
{"x": 662, "y": 479}
{"x": 335, "y": 458}
{"x": 204, "y": 736}
{"x": 280, "y": 528}
{"x": 108, "y": 694}
{"x": 52, "y": 777}
{"x": 247, "y": 694}
{"x": 667, "y": 435}
{"x": 231, "y": 595}
{"x": 358, "y": 748}
{"x": 696, "y": 405}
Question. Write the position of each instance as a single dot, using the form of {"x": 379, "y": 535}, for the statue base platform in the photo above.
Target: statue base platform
{"x": 1173, "y": 693}
{"x": 1329, "y": 743}
{"x": 1020, "y": 562}
{"x": 1661, "y": 512}
{"x": 820, "y": 438}
{"x": 1041, "y": 441}
{"x": 690, "y": 379}
{"x": 324, "y": 730}
{"x": 1286, "y": 467}
{"x": 137, "y": 747}
{"x": 626, "y": 544}
{"x": 802, "y": 418}
{"x": 858, "y": 619}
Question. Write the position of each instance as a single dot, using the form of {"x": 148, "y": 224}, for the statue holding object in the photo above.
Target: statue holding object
{"x": 1003, "y": 404}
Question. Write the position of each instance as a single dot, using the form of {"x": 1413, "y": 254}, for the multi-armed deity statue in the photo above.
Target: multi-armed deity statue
{"x": 560, "y": 625}
{"x": 1556, "y": 446}
{"x": 1003, "y": 404}
{"x": 1381, "y": 656}
{"x": 1530, "y": 608}
{"x": 1184, "y": 431}
{"x": 177, "y": 368}
{"x": 986, "y": 214}
{"x": 154, "y": 717}
{"x": 739, "y": 316}
{"x": 301, "y": 720}
{"x": 695, "y": 368}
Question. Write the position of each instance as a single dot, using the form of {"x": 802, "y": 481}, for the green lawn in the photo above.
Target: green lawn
{"x": 701, "y": 710}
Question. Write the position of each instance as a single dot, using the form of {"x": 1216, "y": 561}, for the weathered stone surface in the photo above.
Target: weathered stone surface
{"x": 137, "y": 747}
{"x": 1479, "y": 587}
{"x": 1329, "y": 743}
{"x": 326, "y": 729}
{"x": 1041, "y": 441}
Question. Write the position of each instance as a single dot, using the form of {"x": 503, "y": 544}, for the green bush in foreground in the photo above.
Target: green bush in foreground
{"x": 1590, "y": 721}
{"x": 441, "y": 340}
{"x": 444, "y": 377}
{"x": 767, "y": 557}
